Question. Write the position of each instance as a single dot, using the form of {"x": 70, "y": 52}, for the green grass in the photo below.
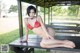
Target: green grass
{"x": 36, "y": 51}
{"x": 11, "y": 36}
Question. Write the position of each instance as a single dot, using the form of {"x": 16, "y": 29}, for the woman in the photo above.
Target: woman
{"x": 35, "y": 24}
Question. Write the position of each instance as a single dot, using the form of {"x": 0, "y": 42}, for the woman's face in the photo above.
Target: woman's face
{"x": 32, "y": 13}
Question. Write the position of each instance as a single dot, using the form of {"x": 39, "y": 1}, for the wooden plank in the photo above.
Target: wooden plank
{"x": 64, "y": 27}
{"x": 67, "y": 31}
{"x": 65, "y": 23}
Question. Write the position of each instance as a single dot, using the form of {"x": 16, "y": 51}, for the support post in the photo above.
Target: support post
{"x": 44, "y": 11}
{"x": 20, "y": 18}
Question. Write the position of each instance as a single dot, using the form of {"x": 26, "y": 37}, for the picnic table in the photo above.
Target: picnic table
{"x": 34, "y": 42}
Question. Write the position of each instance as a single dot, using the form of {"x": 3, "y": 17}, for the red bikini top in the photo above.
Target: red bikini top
{"x": 36, "y": 25}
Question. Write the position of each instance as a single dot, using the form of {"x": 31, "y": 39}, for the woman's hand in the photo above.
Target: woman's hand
{"x": 23, "y": 40}
{"x": 48, "y": 37}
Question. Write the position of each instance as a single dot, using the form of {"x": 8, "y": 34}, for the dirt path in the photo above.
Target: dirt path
{"x": 8, "y": 24}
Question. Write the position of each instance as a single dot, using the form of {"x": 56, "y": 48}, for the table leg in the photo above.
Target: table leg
{"x": 22, "y": 50}
{"x": 31, "y": 50}
{"x": 17, "y": 49}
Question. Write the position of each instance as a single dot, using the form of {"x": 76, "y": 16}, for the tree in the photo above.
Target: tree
{"x": 13, "y": 8}
{"x": 0, "y": 8}
{"x": 57, "y": 10}
{"x": 73, "y": 10}
{"x": 42, "y": 10}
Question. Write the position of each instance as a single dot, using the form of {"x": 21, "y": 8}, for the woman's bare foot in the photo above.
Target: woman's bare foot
{"x": 70, "y": 43}
{"x": 68, "y": 46}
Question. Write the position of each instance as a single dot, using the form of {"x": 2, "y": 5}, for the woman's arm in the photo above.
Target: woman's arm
{"x": 26, "y": 29}
{"x": 44, "y": 28}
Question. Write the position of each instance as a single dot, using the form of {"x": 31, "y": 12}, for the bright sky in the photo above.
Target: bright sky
{"x": 9, "y": 2}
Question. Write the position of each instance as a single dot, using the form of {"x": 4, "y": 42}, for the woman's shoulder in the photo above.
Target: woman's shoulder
{"x": 26, "y": 18}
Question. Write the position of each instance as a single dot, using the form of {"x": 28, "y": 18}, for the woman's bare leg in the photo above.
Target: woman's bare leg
{"x": 56, "y": 43}
{"x": 50, "y": 42}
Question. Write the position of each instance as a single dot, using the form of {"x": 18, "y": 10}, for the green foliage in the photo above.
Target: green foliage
{"x": 56, "y": 9}
{"x": 10, "y": 51}
{"x": 73, "y": 10}
{"x": 42, "y": 10}
{"x": 13, "y": 8}
{"x": 63, "y": 10}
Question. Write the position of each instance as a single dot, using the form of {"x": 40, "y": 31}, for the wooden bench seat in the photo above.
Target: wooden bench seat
{"x": 66, "y": 23}
{"x": 65, "y": 29}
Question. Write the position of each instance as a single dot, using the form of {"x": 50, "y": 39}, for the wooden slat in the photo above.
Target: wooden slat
{"x": 65, "y": 23}
{"x": 66, "y": 31}
{"x": 64, "y": 27}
